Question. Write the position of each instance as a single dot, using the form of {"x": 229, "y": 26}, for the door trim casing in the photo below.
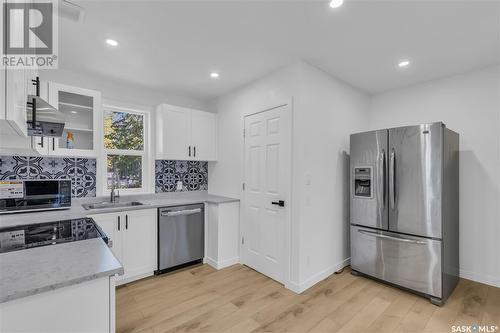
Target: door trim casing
{"x": 288, "y": 197}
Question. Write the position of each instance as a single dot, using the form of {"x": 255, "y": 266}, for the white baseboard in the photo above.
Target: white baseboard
{"x": 303, "y": 286}
{"x": 223, "y": 263}
{"x": 134, "y": 278}
{"x": 210, "y": 261}
{"x": 481, "y": 278}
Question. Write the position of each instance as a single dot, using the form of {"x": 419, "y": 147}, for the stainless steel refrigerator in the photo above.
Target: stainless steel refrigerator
{"x": 404, "y": 207}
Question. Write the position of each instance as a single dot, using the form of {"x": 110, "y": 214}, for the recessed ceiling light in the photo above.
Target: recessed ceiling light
{"x": 403, "y": 63}
{"x": 111, "y": 42}
{"x": 336, "y": 3}
{"x": 74, "y": 112}
{"x": 214, "y": 75}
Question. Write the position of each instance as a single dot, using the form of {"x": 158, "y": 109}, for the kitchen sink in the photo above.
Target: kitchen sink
{"x": 107, "y": 204}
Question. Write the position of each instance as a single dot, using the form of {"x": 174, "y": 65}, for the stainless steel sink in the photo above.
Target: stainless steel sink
{"x": 107, "y": 204}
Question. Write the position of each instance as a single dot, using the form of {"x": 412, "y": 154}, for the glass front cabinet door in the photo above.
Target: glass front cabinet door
{"x": 82, "y": 109}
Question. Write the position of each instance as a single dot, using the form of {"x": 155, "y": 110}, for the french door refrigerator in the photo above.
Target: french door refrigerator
{"x": 404, "y": 207}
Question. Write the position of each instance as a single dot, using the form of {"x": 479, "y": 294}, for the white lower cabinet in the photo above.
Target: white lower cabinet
{"x": 111, "y": 225}
{"x": 132, "y": 238}
{"x": 84, "y": 307}
{"x": 139, "y": 243}
{"x": 223, "y": 231}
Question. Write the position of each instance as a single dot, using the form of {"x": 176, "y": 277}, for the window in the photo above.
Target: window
{"x": 125, "y": 149}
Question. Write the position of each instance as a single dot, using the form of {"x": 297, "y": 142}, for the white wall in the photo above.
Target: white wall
{"x": 325, "y": 112}
{"x": 119, "y": 91}
{"x": 469, "y": 104}
{"x": 328, "y": 111}
{"x": 278, "y": 88}
{"x": 225, "y": 175}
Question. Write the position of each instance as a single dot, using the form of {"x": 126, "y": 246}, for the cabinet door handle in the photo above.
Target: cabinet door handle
{"x": 41, "y": 142}
{"x": 280, "y": 203}
{"x": 126, "y": 222}
{"x": 194, "y": 148}
{"x": 36, "y": 83}
{"x": 118, "y": 223}
{"x": 53, "y": 144}
{"x": 189, "y": 150}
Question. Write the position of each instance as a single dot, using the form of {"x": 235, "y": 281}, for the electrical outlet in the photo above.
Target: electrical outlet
{"x": 179, "y": 185}
{"x": 308, "y": 179}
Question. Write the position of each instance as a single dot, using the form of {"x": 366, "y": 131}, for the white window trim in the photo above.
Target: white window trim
{"x": 147, "y": 156}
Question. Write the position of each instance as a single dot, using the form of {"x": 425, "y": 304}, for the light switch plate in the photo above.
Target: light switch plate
{"x": 179, "y": 185}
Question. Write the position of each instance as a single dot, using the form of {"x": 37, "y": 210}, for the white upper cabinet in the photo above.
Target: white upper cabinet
{"x": 16, "y": 88}
{"x": 185, "y": 134}
{"x": 203, "y": 135}
{"x": 82, "y": 130}
{"x": 15, "y": 85}
{"x": 173, "y": 127}
{"x": 16, "y": 94}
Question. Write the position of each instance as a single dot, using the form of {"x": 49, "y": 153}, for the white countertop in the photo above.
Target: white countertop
{"x": 32, "y": 271}
{"x": 77, "y": 211}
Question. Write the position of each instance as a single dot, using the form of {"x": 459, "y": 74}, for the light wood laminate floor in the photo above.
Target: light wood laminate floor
{"x": 239, "y": 299}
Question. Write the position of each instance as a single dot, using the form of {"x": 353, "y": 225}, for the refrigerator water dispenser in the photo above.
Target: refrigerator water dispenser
{"x": 363, "y": 182}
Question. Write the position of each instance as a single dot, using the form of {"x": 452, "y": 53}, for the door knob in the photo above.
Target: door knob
{"x": 280, "y": 203}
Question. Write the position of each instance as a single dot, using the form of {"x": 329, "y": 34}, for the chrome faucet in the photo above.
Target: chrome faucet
{"x": 113, "y": 195}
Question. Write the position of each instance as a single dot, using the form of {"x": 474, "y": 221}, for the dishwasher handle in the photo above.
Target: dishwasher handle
{"x": 181, "y": 212}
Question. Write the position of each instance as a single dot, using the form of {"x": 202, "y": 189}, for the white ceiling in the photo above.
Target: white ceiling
{"x": 174, "y": 45}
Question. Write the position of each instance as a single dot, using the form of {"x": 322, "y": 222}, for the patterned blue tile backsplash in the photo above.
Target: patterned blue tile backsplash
{"x": 193, "y": 174}
{"x": 81, "y": 171}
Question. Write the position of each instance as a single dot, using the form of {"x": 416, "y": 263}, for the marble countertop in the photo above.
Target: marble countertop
{"x": 77, "y": 211}
{"x": 33, "y": 271}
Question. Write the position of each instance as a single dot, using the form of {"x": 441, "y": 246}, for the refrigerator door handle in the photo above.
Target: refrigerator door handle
{"x": 392, "y": 182}
{"x": 399, "y": 239}
{"x": 382, "y": 175}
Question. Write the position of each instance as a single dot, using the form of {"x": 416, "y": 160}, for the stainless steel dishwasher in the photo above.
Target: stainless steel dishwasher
{"x": 181, "y": 239}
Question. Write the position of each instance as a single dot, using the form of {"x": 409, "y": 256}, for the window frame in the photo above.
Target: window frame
{"x": 145, "y": 153}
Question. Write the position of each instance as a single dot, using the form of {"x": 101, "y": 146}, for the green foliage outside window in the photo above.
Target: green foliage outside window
{"x": 124, "y": 131}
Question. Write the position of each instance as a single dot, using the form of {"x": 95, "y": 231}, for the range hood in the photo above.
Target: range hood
{"x": 43, "y": 118}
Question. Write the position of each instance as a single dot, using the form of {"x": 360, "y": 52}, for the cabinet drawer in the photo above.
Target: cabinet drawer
{"x": 410, "y": 262}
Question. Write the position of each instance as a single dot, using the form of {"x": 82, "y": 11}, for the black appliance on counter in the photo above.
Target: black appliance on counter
{"x": 19, "y": 196}
{"x": 28, "y": 236}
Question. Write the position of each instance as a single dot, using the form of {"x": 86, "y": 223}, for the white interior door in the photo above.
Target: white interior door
{"x": 267, "y": 181}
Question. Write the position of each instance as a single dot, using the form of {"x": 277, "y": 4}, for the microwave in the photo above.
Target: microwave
{"x": 19, "y": 196}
